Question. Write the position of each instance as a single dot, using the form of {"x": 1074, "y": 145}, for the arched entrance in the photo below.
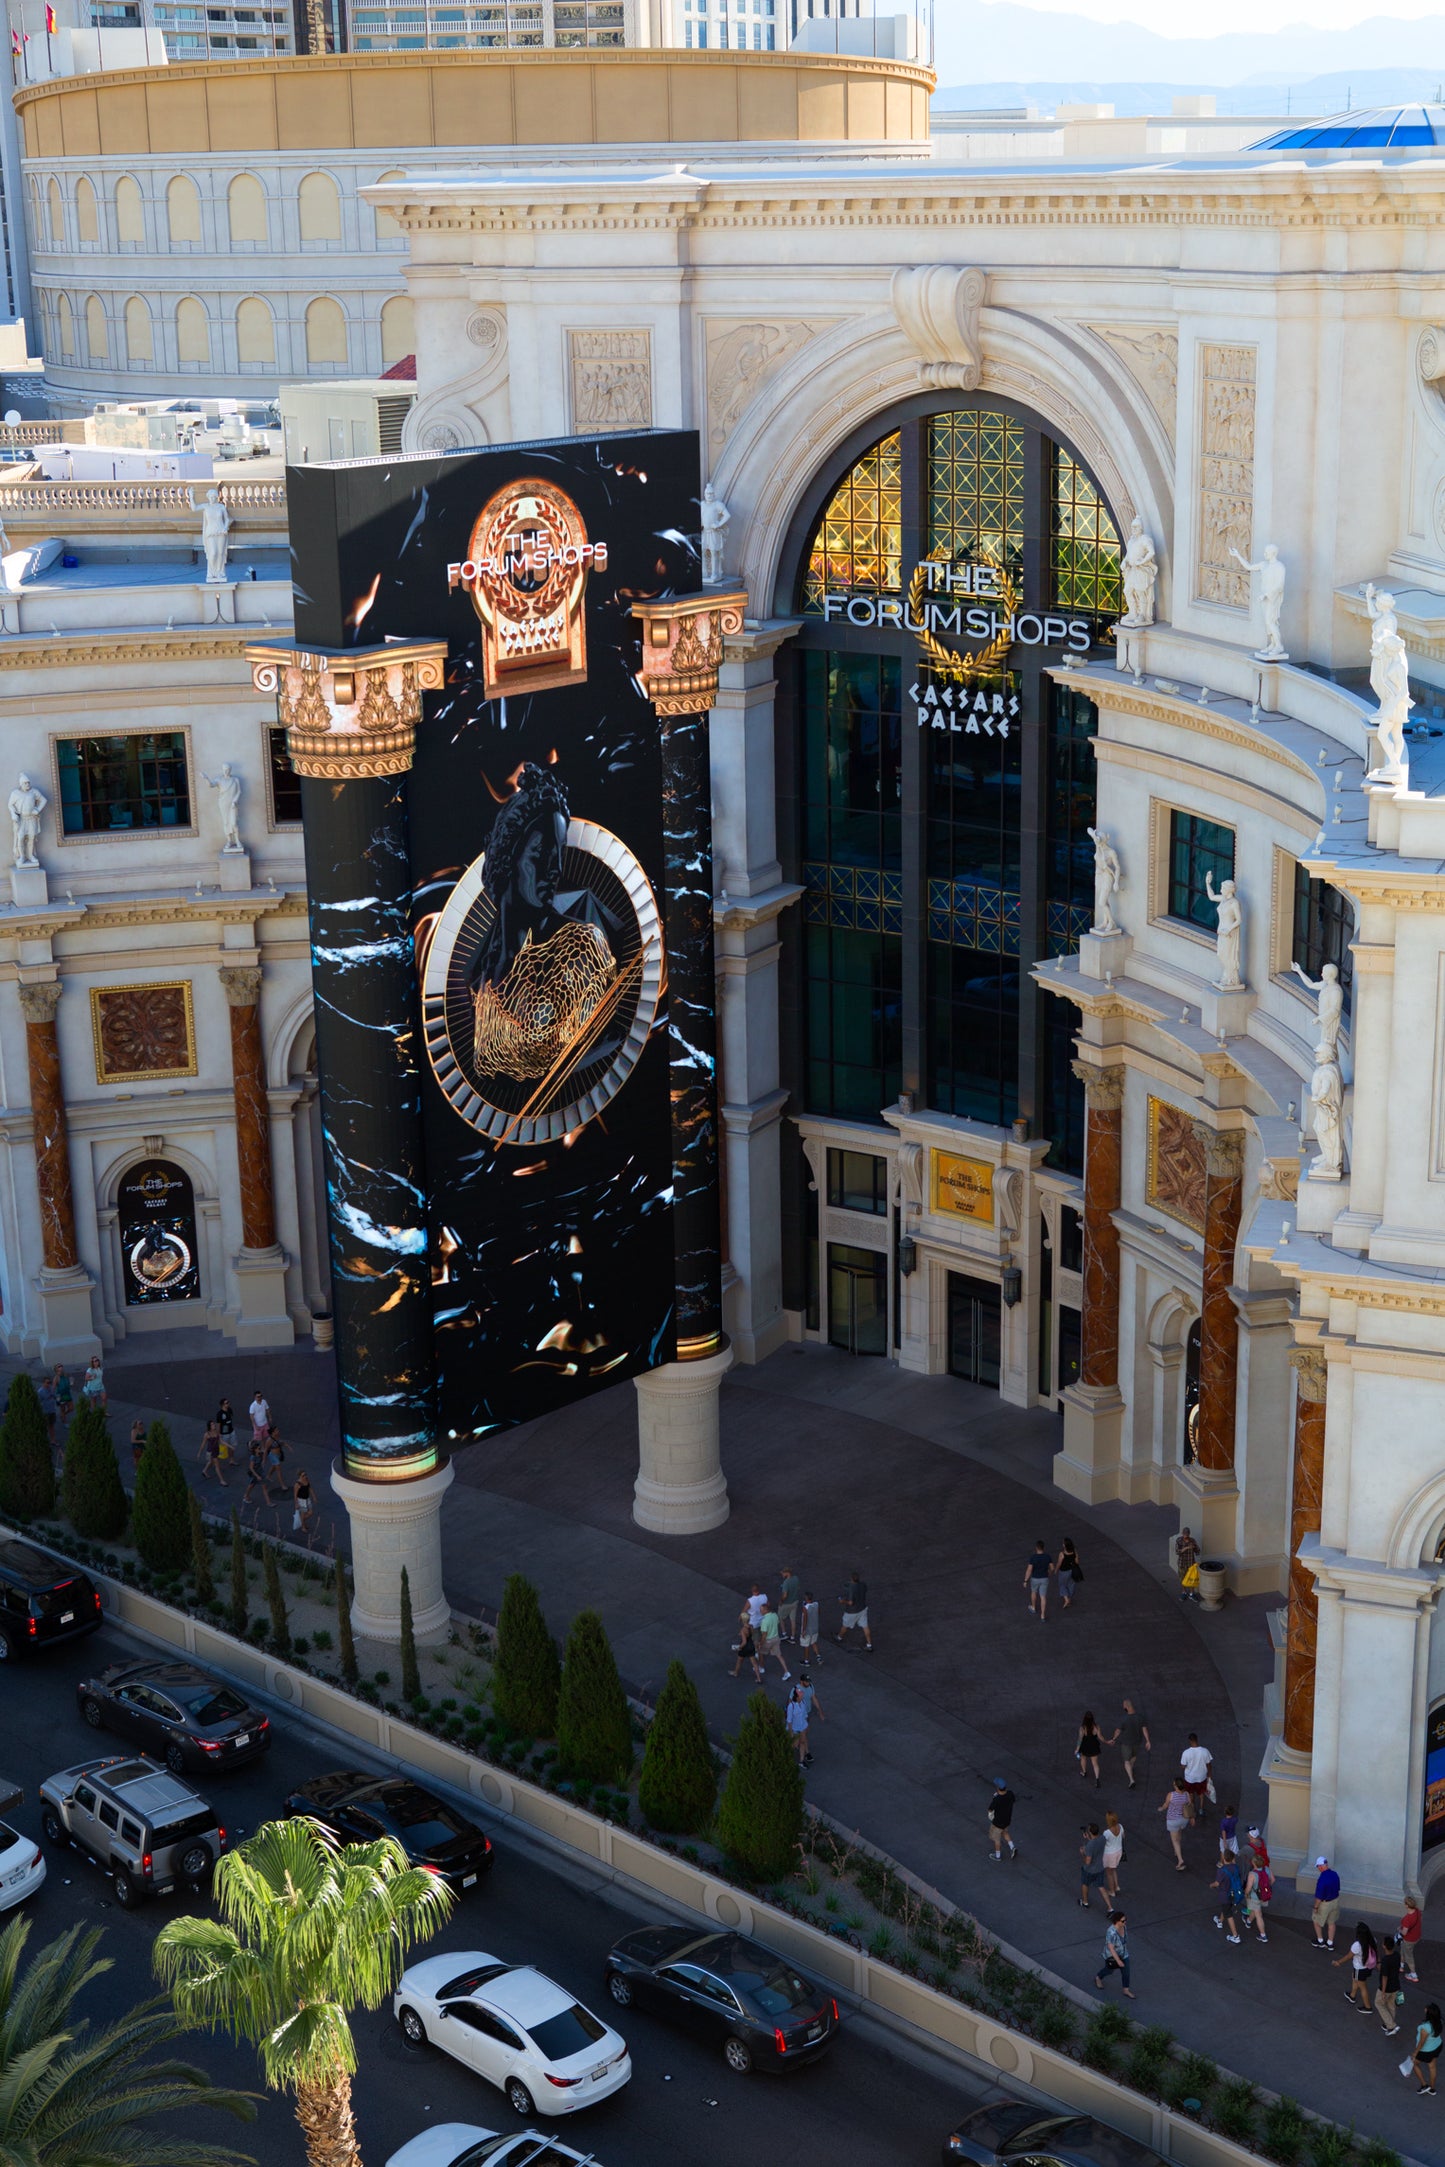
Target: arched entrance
{"x": 159, "y": 1250}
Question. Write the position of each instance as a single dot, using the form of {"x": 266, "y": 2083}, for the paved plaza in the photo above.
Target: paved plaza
{"x": 936, "y": 1491}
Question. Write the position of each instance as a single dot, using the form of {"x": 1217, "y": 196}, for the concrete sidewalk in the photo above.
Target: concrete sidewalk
{"x": 937, "y": 1492}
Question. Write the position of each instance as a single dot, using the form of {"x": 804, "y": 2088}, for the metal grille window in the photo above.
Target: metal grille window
{"x": 112, "y": 784}
{"x": 858, "y": 548}
{"x": 1200, "y": 851}
{"x": 976, "y": 488}
{"x": 1324, "y": 926}
{"x": 1084, "y": 544}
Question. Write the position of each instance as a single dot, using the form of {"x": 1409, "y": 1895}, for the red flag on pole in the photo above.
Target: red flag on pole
{"x": 51, "y": 23}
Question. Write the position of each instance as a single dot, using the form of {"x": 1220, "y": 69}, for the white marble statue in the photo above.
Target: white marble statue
{"x": 215, "y": 537}
{"x": 1141, "y": 569}
{"x": 1327, "y": 1108}
{"x": 1108, "y": 880}
{"x": 26, "y": 805}
{"x": 1271, "y": 599}
{"x": 1331, "y": 1003}
{"x": 1390, "y": 683}
{"x": 227, "y": 787}
{"x": 1229, "y": 934}
{"x": 715, "y": 516}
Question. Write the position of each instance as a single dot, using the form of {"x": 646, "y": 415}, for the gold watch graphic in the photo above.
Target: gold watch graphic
{"x": 530, "y": 551}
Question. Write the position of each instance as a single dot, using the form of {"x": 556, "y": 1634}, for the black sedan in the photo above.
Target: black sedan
{"x": 175, "y": 1712}
{"x": 359, "y": 1808}
{"x": 42, "y": 1600}
{"x": 1009, "y": 2131}
{"x": 762, "y": 2013}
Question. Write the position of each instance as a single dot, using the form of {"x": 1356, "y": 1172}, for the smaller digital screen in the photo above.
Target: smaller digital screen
{"x": 1434, "y": 1829}
{"x": 157, "y": 1210}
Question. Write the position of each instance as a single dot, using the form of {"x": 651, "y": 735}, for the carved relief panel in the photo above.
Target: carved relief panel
{"x": 610, "y": 377}
{"x": 142, "y": 1033}
{"x": 738, "y": 358}
{"x": 1226, "y": 473}
{"x": 1175, "y": 1174}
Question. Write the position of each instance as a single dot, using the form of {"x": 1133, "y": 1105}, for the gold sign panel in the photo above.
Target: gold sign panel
{"x": 963, "y": 1187}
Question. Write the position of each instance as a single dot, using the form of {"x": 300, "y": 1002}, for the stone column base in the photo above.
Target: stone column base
{"x": 681, "y": 1488}
{"x": 1287, "y": 1773}
{"x": 1225, "y": 1013}
{"x": 1208, "y": 1501}
{"x": 1088, "y": 1466}
{"x": 1104, "y": 954}
{"x": 395, "y": 1524}
{"x": 234, "y": 867}
{"x": 68, "y": 1328}
{"x": 263, "y": 1319}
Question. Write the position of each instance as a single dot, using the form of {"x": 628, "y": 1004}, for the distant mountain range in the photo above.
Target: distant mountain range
{"x": 1356, "y": 88}
{"x": 994, "y": 44}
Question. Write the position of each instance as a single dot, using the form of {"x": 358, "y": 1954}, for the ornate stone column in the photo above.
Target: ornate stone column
{"x": 64, "y": 1284}
{"x": 260, "y": 1268}
{"x": 1088, "y": 1466}
{"x": 1208, "y": 1492}
{"x": 1309, "y": 1469}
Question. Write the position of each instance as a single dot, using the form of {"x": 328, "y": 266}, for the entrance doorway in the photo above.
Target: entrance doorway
{"x": 975, "y": 1329}
{"x": 857, "y": 1299}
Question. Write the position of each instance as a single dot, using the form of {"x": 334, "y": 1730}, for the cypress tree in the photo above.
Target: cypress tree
{"x": 677, "y": 1789}
{"x": 276, "y": 1603}
{"x": 410, "y": 1675}
{"x": 594, "y": 1724}
{"x": 27, "y": 1473}
{"x": 161, "y": 1512}
{"x": 201, "y": 1554}
{"x": 94, "y": 1495}
{"x": 345, "y": 1644}
{"x": 526, "y": 1674}
{"x": 760, "y": 1816}
{"x": 239, "y": 1619}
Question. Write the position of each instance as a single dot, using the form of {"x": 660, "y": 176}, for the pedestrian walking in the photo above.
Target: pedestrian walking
{"x": 303, "y": 1506}
{"x": 260, "y": 1415}
{"x": 64, "y": 1396}
{"x": 1089, "y": 1746}
{"x": 1389, "y": 1995}
{"x": 1412, "y": 1926}
{"x": 226, "y": 1424}
{"x": 808, "y": 1639}
{"x": 1113, "y": 1852}
{"x": 1000, "y": 1821}
{"x": 795, "y": 1719}
{"x": 1091, "y": 1866}
{"x": 1422, "y": 2061}
{"x": 1186, "y": 1564}
{"x": 1069, "y": 1571}
{"x": 1116, "y": 1954}
{"x": 790, "y": 1587}
{"x": 1364, "y": 1960}
{"x": 1178, "y": 1812}
{"x": 855, "y": 1611}
{"x": 255, "y": 1473}
{"x": 745, "y": 1647}
{"x": 768, "y": 1633}
{"x": 757, "y": 1604}
{"x": 1195, "y": 1762}
{"x": 210, "y": 1453}
{"x": 1325, "y": 1912}
{"x": 137, "y": 1441}
{"x": 814, "y": 1707}
{"x": 1256, "y": 1881}
{"x": 45, "y": 1393}
{"x": 1231, "y": 1901}
{"x": 276, "y": 1459}
{"x": 1131, "y": 1733}
{"x": 92, "y": 1384}
{"x": 1229, "y": 1832}
{"x": 1036, "y": 1579}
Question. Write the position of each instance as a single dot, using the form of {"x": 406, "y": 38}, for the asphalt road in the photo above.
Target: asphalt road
{"x": 865, "y": 2102}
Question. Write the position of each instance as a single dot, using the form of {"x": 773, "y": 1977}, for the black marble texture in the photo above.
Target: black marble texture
{"x": 692, "y": 1031}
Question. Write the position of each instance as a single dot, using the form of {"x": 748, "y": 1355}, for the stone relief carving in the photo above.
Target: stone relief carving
{"x": 1008, "y": 1198}
{"x": 1151, "y": 356}
{"x": 738, "y": 359}
{"x": 937, "y": 306}
{"x": 1176, "y": 1171}
{"x": 487, "y": 330}
{"x": 1430, "y": 353}
{"x": 452, "y": 416}
{"x": 611, "y": 380}
{"x": 142, "y": 1031}
{"x": 910, "y": 1174}
{"x": 1279, "y": 1180}
{"x": 1226, "y": 473}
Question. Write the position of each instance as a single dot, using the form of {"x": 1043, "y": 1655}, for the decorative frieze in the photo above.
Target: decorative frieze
{"x": 1226, "y": 473}
{"x": 610, "y": 376}
{"x": 739, "y": 358}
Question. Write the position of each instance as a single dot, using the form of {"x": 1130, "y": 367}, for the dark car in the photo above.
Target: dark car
{"x": 359, "y": 1808}
{"x": 176, "y": 1712}
{"x": 42, "y": 1600}
{"x": 1010, "y": 2131}
{"x": 749, "y": 2001}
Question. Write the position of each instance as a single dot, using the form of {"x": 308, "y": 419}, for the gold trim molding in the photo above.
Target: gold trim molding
{"x": 99, "y": 995}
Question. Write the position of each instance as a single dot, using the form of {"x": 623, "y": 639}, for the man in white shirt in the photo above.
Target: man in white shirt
{"x": 1195, "y": 1762}
{"x": 260, "y": 1415}
{"x": 757, "y": 1604}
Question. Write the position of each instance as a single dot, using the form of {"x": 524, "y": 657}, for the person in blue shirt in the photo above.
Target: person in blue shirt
{"x": 1116, "y": 1953}
{"x": 1326, "y": 1913}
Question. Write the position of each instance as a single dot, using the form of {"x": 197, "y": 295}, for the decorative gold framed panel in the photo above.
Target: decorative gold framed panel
{"x": 1175, "y": 1174}
{"x": 143, "y": 1033}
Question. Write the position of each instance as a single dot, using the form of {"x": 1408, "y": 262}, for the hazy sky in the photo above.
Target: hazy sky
{"x": 1184, "y": 18}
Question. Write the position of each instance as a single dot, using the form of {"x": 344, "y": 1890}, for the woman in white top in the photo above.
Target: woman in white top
{"x": 1113, "y": 1852}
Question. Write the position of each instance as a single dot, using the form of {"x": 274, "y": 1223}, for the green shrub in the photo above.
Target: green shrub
{"x": 1111, "y": 2023}
{"x": 321, "y": 1638}
{"x": 760, "y": 1814}
{"x": 27, "y": 1474}
{"x": 1236, "y": 2112}
{"x": 594, "y": 1726}
{"x": 238, "y": 1577}
{"x": 1331, "y": 2146}
{"x": 677, "y": 1789}
{"x": 1379, "y": 2154}
{"x": 410, "y": 1675}
{"x": 276, "y": 1603}
{"x": 1284, "y": 2133}
{"x": 526, "y": 1676}
{"x": 1055, "y": 2026}
{"x": 161, "y": 1512}
{"x": 200, "y": 1552}
{"x": 95, "y": 1499}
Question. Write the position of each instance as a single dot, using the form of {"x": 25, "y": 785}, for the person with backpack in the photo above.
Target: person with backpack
{"x": 1231, "y": 1902}
{"x": 1256, "y": 1880}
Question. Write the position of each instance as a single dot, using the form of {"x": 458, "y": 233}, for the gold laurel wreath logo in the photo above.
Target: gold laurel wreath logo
{"x": 989, "y": 660}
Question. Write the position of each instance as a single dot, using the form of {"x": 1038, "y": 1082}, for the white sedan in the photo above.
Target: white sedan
{"x": 461, "y": 2144}
{"x": 519, "y": 2030}
{"x": 22, "y": 1867}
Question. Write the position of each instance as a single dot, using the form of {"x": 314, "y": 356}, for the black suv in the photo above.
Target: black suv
{"x": 358, "y": 1808}
{"x": 180, "y": 1714}
{"x": 42, "y": 1600}
{"x": 733, "y": 1991}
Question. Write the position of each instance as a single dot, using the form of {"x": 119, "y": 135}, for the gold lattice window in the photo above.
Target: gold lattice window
{"x": 1084, "y": 543}
{"x": 976, "y": 487}
{"x": 858, "y": 548}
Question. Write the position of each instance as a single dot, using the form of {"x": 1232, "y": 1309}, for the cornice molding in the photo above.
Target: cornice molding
{"x": 31, "y": 651}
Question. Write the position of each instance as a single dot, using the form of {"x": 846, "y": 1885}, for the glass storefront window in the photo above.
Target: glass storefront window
{"x": 857, "y": 1181}
{"x": 1085, "y": 543}
{"x": 859, "y": 543}
{"x": 112, "y": 784}
{"x": 976, "y": 488}
{"x": 1201, "y": 853}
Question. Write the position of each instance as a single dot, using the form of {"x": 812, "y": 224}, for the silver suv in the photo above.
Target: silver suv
{"x": 146, "y": 1827}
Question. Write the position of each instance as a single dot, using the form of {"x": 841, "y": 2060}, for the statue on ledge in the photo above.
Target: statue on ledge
{"x": 26, "y": 805}
{"x": 1140, "y": 567}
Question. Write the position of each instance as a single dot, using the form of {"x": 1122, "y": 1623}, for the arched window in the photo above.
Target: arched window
{"x": 130, "y": 227}
{"x": 943, "y": 777}
{"x": 246, "y": 207}
{"x": 325, "y": 334}
{"x": 56, "y": 203}
{"x": 97, "y": 333}
{"x": 139, "y": 336}
{"x": 255, "y": 334}
{"x": 65, "y": 318}
{"x": 183, "y": 209}
{"x": 193, "y": 333}
{"x": 87, "y": 224}
{"x": 319, "y": 202}
{"x": 387, "y": 228}
{"x": 398, "y": 336}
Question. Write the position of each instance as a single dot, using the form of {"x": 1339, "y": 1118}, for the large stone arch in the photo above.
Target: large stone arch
{"x": 1418, "y": 1526}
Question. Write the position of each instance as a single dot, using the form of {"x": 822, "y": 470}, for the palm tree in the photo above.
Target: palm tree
{"x": 309, "y": 1930}
{"x": 70, "y": 2097}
